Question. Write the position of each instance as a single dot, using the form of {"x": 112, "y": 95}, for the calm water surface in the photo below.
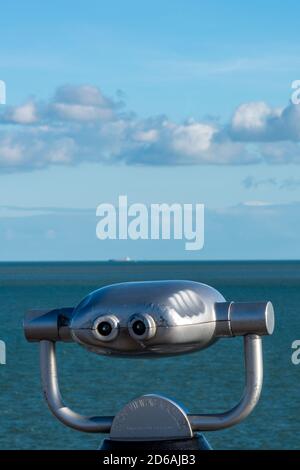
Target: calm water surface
{"x": 209, "y": 381}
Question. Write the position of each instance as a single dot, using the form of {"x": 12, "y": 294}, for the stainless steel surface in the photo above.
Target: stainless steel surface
{"x": 180, "y": 315}
{"x": 54, "y": 400}
{"x": 113, "y": 322}
{"x": 223, "y": 320}
{"x": 151, "y": 417}
{"x": 251, "y": 318}
{"x": 177, "y": 317}
{"x": 149, "y": 323}
{"x": 52, "y": 325}
{"x": 201, "y": 422}
{"x": 253, "y": 386}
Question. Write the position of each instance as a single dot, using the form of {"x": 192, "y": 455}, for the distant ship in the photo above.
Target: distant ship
{"x": 120, "y": 260}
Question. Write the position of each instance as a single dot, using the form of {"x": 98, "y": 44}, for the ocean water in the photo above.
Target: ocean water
{"x": 207, "y": 381}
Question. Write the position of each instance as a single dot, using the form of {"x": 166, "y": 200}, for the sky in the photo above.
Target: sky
{"x": 175, "y": 101}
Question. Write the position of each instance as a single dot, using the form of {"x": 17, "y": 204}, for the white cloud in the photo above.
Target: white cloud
{"x": 250, "y": 119}
{"x": 258, "y": 122}
{"x": 82, "y": 103}
{"x": 256, "y": 203}
{"x": 24, "y": 114}
{"x": 192, "y": 138}
{"x": 85, "y": 95}
{"x": 10, "y": 151}
{"x": 80, "y": 113}
{"x": 80, "y": 124}
{"x": 149, "y": 136}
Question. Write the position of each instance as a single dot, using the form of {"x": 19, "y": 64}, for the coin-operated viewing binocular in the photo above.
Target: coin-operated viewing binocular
{"x": 152, "y": 319}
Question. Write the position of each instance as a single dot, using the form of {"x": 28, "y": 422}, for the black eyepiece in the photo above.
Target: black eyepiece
{"x": 139, "y": 328}
{"x": 104, "y": 328}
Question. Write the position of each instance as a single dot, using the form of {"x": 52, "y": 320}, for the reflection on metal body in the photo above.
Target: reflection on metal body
{"x": 178, "y": 317}
{"x": 152, "y": 319}
{"x": 182, "y": 314}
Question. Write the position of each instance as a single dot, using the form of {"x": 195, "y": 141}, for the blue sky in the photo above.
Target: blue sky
{"x": 162, "y": 101}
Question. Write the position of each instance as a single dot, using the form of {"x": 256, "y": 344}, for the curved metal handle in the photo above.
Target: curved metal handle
{"x": 253, "y": 386}
{"x": 53, "y": 397}
{"x": 201, "y": 422}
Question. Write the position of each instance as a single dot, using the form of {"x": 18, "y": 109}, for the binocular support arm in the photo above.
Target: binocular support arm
{"x": 54, "y": 400}
{"x": 201, "y": 422}
{"x": 253, "y": 386}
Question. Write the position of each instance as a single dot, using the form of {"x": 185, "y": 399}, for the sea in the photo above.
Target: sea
{"x": 204, "y": 382}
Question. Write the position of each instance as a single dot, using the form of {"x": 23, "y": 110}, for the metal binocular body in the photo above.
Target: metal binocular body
{"x": 151, "y": 319}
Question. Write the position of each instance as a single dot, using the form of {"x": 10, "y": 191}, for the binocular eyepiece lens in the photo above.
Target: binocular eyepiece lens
{"x": 139, "y": 327}
{"x": 104, "y": 328}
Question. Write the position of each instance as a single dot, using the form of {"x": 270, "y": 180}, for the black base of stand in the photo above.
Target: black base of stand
{"x": 198, "y": 442}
